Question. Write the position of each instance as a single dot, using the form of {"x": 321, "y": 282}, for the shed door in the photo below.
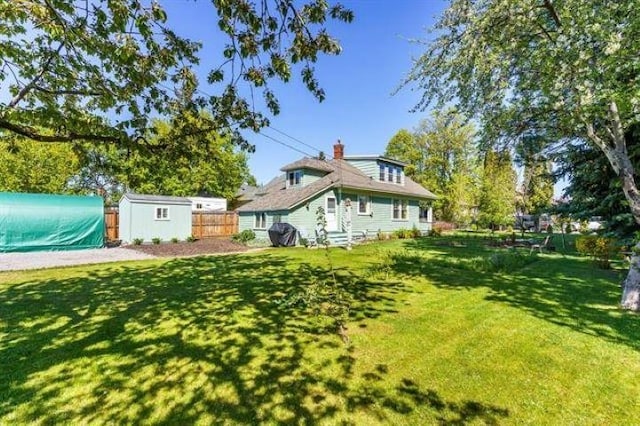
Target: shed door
{"x": 331, "y": 214}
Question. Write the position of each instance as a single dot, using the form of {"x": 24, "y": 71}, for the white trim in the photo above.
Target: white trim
{"x": 263, "y": 218}
{"x": 368, "y": 206}
{"x": 161, "y": 210}
{"x": 402, "y": 201}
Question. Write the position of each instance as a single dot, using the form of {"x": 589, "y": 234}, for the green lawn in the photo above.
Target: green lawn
{"x": 438, "y": 335}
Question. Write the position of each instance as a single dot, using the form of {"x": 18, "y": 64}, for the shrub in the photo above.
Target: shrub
{"x": 435, "y": 232}
{"x": 415, "y": 232}
{"x": 174, "y": 240}
{"x": 156, "y": 240}
{"x": 402, "y": 233}
{"x": 244, "y": 236}
{"x": 601, "y": 249}
{"x": 137, "y": 241}
{"x": 191, "y": 239}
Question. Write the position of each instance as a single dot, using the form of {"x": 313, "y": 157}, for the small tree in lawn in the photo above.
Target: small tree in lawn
{"x": 497, "y": 192}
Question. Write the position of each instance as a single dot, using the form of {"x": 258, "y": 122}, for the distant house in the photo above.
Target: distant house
{"x": 381, "y": 196}
{"x": 208, "y": 204}
{"x": 147, "y": 217}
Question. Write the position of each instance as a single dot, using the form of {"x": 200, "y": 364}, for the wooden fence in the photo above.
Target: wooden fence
{"x": 111, "y": 224}
{"x": 203, "y": 224}
{"x": 214, "y": 224}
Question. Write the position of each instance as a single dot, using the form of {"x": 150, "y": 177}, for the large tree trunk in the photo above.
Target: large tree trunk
{"x": 618, "y": 157}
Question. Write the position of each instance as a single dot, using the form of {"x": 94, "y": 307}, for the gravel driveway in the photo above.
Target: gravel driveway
{"x": 49, "y": 259}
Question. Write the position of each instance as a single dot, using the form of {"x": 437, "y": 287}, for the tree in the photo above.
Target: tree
{"x": 207, "y": 164}
{"x": 497, "y": 201}
{"x": 565, "y": 69}
{"x": 441, "y": 155}
{"x": 67, "y": 65}
{"x": 32, "y": 167}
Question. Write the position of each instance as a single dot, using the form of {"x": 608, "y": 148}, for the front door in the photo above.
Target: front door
{"x": 331, "y": 214}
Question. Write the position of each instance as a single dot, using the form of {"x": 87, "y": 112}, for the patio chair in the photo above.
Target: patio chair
{"x": 541, "y": 245}
{"x": 311, "y": 240}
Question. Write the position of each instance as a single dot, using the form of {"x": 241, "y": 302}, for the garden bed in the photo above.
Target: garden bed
{"x": 205, "y": 246}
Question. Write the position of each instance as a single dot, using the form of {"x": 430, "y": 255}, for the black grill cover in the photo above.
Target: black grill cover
{"x": 282, "y": 235}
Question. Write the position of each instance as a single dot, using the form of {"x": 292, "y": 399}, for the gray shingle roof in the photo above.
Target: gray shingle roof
{"x": 157, "y": 198}
{"x": 275, "y": 195}
{"x": 309, "y": 163}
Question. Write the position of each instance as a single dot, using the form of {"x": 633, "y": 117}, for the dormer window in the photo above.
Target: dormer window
{"x": 390, "y": 173}
{"x": 398, "y": 175}
{"x": 295, "y": 178}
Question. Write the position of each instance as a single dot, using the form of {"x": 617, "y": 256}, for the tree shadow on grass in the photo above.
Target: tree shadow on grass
{"x": 198, "y": 339}
{"x": 564, "y": 290}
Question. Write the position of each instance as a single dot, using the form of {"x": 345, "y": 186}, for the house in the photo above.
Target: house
{"x": 208, "y": 204}
{"x": 381, "y": 197}
{"x": 50, "y": 222}
{"x": 245, "y": 194}
{"x": 147, "y": 217}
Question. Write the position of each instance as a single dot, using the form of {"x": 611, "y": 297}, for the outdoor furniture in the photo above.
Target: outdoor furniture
{"x": 541, "y": 245}
{"x": 310, "y": 239}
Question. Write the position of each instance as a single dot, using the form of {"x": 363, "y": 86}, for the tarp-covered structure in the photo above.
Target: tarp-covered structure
{"x": 44, "y": 222}
{"x": 282, "y": 235}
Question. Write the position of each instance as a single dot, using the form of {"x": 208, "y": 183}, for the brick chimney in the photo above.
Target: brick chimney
{"x": 338, "y": 151}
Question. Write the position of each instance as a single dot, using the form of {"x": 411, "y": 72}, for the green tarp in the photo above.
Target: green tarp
{"x": 40, "y": 222}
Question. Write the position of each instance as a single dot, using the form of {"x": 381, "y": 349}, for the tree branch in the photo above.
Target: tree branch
{"x": 69, "y": 92}
{"x": 552, "y": 11}
{"x": 31, "y": 133}
{"x": 23, "y": 92}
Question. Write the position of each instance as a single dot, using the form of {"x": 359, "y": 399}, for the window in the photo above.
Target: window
{"x": 398, "y": 175}
{"x": 162, "y": 213}
{"x": 424, "y": 214}
{"x": 382, "y": 173}
{"x": 260, "y": 221}
{"x": 390, "y": 173}
{"x": 400, "y": 209}
{"x": 295, "y": 178}
{"x": 199, "y": 206}
{"x": 331, "y": 205}
{"x": 364, "y": 204}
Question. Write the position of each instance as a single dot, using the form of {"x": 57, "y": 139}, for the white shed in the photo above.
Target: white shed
{"x": 154, "y": 216}
{"x": 208, "y": 204}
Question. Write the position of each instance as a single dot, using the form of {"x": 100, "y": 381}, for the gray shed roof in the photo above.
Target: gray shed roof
{"x": 275, "y": 195}
{"x": 156, "y": 199}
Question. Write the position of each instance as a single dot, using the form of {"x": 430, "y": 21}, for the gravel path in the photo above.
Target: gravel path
{"x": 49, "y": 259}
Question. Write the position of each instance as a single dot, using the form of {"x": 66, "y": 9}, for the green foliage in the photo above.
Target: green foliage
{"x": 415, "y": 232}
{"x": 601, "y": 249}
{"x": 442, "y": 156}
{"x": 191, "y": 239}
{"x": 175, "y": 240}
{"x": 156, "y": 240}
{"x": 66, "y": 66}
{"x": 137, "y": 241}
{"x": 245, "y": 236}
{"x": 498, "y": 190}
{"x": 403, "y": 233}
{"x": 29, "y": 166}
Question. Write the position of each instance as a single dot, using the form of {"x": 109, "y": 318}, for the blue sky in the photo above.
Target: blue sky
{"x": 359, "y": 108}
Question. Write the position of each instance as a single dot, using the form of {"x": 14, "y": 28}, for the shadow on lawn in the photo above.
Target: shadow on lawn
{"x": 568, "y": 291}
{"x": 199, "y": 339}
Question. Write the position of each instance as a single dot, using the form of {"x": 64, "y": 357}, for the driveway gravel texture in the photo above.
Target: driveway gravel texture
{"x": 51, "y": 259}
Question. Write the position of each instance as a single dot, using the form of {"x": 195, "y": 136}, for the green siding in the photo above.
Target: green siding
{"x": 304, "y": 216}
{"x": 368, "y": 167}
{"x": 310, "y": 176}
{"x": 246, "y": 220}
{"x": 137, "y": 220}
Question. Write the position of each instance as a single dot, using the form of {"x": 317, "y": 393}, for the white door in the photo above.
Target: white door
{"x": 331, "y": 214}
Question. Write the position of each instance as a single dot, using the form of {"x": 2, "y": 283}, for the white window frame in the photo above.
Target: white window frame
{"x": 399, "y": 175}
{"x": 367, "y": 205}
{"x": 383, "y": 173}
{"x": 294, "y": 178}
{"x": 390, "y": 170}
{"x": 403, "y": 207}
{"x": 161, "y": 213}
{"x": 260, "y": 220}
